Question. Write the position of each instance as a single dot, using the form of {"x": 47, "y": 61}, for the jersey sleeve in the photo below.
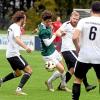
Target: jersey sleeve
{"x": 17, "y": 31}
{"x": 63, "y": 28}
{"x": 44, "y": 34}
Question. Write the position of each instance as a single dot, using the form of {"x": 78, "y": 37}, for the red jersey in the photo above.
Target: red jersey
{"x": 56, "y": 26}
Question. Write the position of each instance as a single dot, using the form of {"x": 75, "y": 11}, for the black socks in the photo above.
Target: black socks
{"x": 76, "y": 91}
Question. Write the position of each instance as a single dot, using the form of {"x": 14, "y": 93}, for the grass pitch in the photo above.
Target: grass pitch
{"x": 35, "y": 87}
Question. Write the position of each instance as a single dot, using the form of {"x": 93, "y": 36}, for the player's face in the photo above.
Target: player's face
{"x": 74, "y": 20}
{"x": 48, "y": 22}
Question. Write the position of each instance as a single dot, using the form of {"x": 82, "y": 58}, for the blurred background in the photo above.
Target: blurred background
{"x": 33, "y": 9}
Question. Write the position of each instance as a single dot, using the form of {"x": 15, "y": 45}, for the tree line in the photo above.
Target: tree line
{"x": 60, "y": 7}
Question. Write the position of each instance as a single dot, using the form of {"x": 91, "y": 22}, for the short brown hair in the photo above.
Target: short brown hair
{"x": 46, "y": 15}
{"x": 18, "y": 16}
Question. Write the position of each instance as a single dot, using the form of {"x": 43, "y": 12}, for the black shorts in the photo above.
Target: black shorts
{"x": 82, "y": 68}
{"x": 70, "y": 58}
{"x": 17, "y": 62}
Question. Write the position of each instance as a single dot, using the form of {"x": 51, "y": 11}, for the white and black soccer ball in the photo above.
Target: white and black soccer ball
{"x": 50, "y": 66}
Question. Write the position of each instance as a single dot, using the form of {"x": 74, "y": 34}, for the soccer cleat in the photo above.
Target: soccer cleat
{"x": 64, "y": 88}
{"x": 20, "y": 92}
{"x": 49, "y": 86}
{"x": 90, "y": 87}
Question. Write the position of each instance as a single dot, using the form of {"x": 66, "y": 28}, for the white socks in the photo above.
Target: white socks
{"x": 63, "y": 78}
{"x": 54, "y": 76}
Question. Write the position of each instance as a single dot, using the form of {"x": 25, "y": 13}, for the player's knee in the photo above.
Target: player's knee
{"x": 77, "y": 80}
{"x": 28, "y": 69}
{"x": 71, "y": 71}
{"x": 18, "y": 73}
{"x": 62, "y": 70}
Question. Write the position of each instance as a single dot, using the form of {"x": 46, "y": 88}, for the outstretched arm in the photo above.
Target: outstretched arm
{"x": 75, "y": 39}
{"x": 21, "y": 43}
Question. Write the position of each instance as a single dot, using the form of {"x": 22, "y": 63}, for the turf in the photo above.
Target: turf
{"x": 35, "y": 87}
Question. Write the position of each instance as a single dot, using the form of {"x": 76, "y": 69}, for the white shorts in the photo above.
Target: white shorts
{"x": 55, "y": 57}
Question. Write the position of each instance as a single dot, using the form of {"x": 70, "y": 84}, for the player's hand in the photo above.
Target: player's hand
{"x": 60, "y": 33}
{"x": 57, "y": 33}
{"x": 63, "y": 34}
{"x": 28, "y": 50}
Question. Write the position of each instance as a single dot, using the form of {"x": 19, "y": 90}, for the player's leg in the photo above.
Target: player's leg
{"x": 56, "y": 58}
{"x": 10, "y": 76}
{"x": 80, "y": 71}
{"x": 53, "y": 77}
{"x": 27, "y": 73}
{"x": 97, "y": 71}
{"x": 70, "y": 59}
{"x": 13, "y": 62}
{"x": 87, "y": 86}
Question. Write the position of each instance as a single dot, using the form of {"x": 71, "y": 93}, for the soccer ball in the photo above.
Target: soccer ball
{"x": 49, "y": 66}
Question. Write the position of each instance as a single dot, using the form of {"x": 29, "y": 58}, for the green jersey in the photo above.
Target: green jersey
{"x": 44, "y": 33}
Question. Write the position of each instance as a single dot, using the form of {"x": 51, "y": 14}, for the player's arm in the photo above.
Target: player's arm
{"x": 75, "y": 39}
{"x": 60, "y": 33}
{"x": 77, "y": 33}
{"x": 21, "y": 43}
{"x": 48, "y": 41}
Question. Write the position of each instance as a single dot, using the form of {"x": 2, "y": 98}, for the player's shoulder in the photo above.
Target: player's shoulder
{"x": 67, "y": 22}
{"x": 14, "y": 27}
{"x": 41, "y": 26}
{"x": 42, "y": 29}
{"x": 85, "y": 19}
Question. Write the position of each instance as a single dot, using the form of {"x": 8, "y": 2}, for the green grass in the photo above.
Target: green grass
{"x": 35, "y": 86}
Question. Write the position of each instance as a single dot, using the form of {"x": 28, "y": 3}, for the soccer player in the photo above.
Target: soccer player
{"x": 13, "y": 56}
{"x": 48, "y": 51}
{"x": 55, "y": 26}
{"x": 88, "y": 32}
{"x": 68, "y": 49}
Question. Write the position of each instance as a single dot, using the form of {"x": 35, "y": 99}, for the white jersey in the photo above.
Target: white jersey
{"x": 12, "y": 46}
{"x": 67, "y": 43}
{"x": 89, "y": 40}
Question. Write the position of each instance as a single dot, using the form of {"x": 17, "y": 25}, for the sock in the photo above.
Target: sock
{"x": 54, "y": 76}
{"x": 76, "y": 91}
{"x": 63, "y": 78}
{"x": 24, "y": 79}
{"x": 68, "y": 76}
{"x": 85, "y": 81}
{"x": 9, "y": 77}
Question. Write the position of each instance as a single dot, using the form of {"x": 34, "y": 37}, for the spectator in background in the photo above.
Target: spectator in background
{"x": 55, "y": 27}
